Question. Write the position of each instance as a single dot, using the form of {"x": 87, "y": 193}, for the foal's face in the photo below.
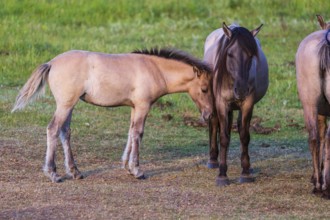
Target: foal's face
{"x": 200, "y": 92}
{"x": 238, "y": 65}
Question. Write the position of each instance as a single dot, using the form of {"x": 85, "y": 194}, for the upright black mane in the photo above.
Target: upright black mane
{"x": 247, "y": 43}
{"x": 178, "y": 55}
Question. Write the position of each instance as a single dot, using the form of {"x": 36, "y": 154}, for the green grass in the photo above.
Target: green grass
{"x": 33, "y": 32}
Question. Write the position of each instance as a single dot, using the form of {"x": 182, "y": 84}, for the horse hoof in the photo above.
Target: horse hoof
{"x": 326, "y": 195}
{"x": 318, "y": 192}
{"x": 137, "y": 173}
{"x": 212, "y": 164}
{"x": 246, "y": 179}
{"x": 140, "y": 177}
{"x": 56, "y": 178}
{"x": 78, "y": 176}
{"x": 222, "y": 181}
{"x": 74, "y": 173}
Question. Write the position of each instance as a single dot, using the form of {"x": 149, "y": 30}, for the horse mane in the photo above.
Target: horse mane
{"x": 247, "y": 43}
{"x": 178, "y": 55}
{"x": 324, "y": 54}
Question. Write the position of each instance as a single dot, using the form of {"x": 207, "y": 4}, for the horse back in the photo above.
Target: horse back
{"x": 312, "y": 71}
{"x": 103, "y": 79}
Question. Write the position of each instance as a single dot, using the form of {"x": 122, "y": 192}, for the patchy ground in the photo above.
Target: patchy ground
{"x": 181, "y": 188}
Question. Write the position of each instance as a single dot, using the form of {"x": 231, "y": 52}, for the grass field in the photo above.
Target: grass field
{"x": 178, "y": 186}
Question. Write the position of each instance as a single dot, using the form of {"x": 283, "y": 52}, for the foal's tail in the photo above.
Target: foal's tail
{"x": 324, "y": 54}
{"x": 32, "y": 87}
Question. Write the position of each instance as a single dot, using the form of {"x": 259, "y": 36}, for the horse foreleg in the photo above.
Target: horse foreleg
{"x": 243, "y": 124}
{"x": 128, "y": 148}
{"x": 213, "y": 142}
{"x": 140, "y": 116}
{"x": 322, "y": 126}
{"x": 65, "y": 135}
{"x": 225, "y": 122}
{"x": 53, "y": 131}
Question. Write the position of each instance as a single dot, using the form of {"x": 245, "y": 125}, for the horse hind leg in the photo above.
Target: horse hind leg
{"x": 311, "y": 121}
{"x": 326, "y": 166}
{"x": 65, "y": 134}
{"x": 322, "y": 126}
{"x": 53, "y": 131}
{"x": 128, "y": 148}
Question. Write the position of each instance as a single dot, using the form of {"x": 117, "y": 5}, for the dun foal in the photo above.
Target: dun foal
{"x": 135, "y": 79}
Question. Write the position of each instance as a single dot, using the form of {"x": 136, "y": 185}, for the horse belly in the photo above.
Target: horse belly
{"x": 107, "y": 90}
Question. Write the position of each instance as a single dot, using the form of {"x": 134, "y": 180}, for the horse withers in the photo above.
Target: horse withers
{"x": 240, "y": 80}
{"x": 135, "y": 79}
{"x": 313, "y": 75}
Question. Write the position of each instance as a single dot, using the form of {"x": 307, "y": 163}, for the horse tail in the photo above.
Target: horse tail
{"x": 33, "y": 87}
{"x": 324, "y": 54}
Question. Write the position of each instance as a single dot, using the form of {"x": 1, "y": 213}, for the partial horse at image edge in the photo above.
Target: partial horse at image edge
{"x": 313, "y": 73}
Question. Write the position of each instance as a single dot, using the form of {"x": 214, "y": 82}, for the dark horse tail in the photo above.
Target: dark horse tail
{"x": 324, "y": 54}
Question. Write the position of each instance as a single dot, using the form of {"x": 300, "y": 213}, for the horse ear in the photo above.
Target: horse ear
{"x": 322, "y": 24}
{"x": 256, "y": 31}
{"x": 197, "y": 71}
{"x": 226, "y": 30}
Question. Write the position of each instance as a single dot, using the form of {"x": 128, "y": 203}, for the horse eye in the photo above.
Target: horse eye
{"x": 230, "y": 55}
{"x": 204, "y": 90}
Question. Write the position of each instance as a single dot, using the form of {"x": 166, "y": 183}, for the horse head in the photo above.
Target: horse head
{"x": 239, "y": 53}
{"x": 200, "y": 92}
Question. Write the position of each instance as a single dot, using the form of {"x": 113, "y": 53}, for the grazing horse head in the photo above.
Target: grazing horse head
{"x": 236, "y": 52}
{"x": 200, "y": 91}
{"x": 196, "y": 81}
{"x": 324, "y": 25}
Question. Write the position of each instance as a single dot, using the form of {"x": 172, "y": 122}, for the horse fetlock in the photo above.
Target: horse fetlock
{"x": 125, "y": 165}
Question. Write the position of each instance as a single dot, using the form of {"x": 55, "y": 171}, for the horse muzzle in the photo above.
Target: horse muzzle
{"x": 206, "y": 115}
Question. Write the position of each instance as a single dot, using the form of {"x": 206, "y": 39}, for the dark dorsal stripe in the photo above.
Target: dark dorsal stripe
{"x": 178, "y": 55}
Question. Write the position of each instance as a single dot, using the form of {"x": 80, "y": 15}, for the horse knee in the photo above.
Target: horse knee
{"x": 224, "y": 142}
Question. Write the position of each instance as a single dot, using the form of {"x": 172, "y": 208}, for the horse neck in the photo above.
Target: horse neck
{"x": 178, "y": 79}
